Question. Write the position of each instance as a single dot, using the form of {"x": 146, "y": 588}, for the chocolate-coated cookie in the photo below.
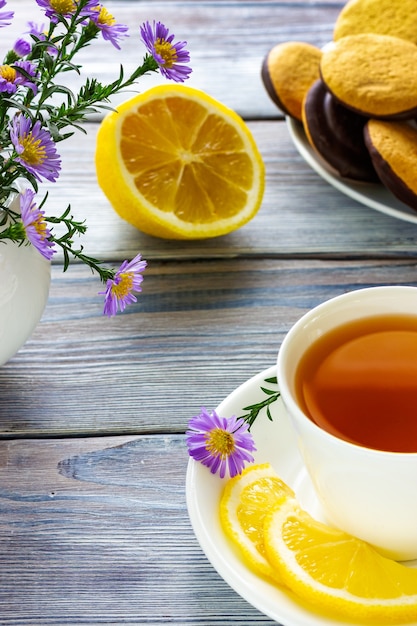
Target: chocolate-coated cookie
{"x": 385, "y": 17}
{"x": 374, "y": 75}
{"x": 288, "y": 71}
{"x": 393, "y": 149}
{"x": 336, "y": 133}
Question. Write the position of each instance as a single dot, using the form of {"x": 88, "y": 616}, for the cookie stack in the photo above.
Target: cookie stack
{"x": 357, "y": 98}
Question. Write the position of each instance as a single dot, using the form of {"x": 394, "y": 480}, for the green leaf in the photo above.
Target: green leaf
{"x": 253, "y": 410}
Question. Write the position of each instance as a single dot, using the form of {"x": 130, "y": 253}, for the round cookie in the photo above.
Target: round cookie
{"x": 288, "y": 71}
{"x": 393, "y": 149}
{"x": 336, "y": 133}
{"x": 374, "y": 75}
{"x": 385, "y": 17}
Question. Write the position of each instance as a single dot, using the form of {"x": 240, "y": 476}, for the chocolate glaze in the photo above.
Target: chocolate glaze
{"x": 337, "y": 134}
{"x": 388, "y": 177}
{"x": 266, "y": 79}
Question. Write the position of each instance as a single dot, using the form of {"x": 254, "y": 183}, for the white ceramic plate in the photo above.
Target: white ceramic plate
{"x": 374, "y": 196}
{"x": 275, "y": 442}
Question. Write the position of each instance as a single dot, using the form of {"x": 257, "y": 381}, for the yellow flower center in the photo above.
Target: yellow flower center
{"x": 220, "y": 442}
{"x": 33, "y": 152}
{"x": 165, "y": 50}
{"x": 63, "y": 6}
{"x": 124, "y": 286}
{"x": 8, "y": 73}
{"x": 40, "y": 227}
{"x": 104, "y": 17}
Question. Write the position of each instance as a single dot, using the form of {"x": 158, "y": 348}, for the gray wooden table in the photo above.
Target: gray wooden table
{"x": 93, "y": 521}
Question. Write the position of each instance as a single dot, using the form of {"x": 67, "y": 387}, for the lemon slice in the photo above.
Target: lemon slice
{"x": 336, "y": 572}
{"x": 178, "y": 164}
{"x": 245, "y": 501}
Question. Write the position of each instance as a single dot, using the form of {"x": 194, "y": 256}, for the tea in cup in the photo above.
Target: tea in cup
{"x": 347, "y": 372}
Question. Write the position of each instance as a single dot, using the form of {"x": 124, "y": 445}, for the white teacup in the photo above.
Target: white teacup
{"x": 369, "y": 493}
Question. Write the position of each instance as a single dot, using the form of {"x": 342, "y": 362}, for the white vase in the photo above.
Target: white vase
{"x": 25, "y": 276}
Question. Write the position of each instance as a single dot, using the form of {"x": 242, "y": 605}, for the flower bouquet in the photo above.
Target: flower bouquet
{"x": 37, "y": 112}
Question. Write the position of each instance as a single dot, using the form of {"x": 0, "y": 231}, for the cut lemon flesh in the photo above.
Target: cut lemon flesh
{"x": 336, "y": 572}
{"x": 245, "y": 501}
{"x": 178, "y": 164}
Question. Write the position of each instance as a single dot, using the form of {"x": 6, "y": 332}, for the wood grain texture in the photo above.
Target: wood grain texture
{"x": 301, "y": 215}
{"x": 227, "y": 42}
{"x": 198, "y": 330}
{"x": 96, "y": 532}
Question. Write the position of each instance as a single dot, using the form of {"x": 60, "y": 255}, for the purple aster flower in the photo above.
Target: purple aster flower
{"x": 106, "y": 23}
{"x": 65, "y": 8}
{"x": 21, "y": 47}
{"x": 220, "y": 443}
{"x": 35, "y": 225}
{"x": 167, "y": 54}
{"x": 38, "y": 30}
{"x": 11, "y": 78}
{"x": 35, "y": 148}
{"x": 5, "y": 16}
{"x": 127, "y": 279}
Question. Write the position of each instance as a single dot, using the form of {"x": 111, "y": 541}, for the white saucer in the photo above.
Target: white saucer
{"x": 275, "y": 442}
{"x": 375, "y": 196}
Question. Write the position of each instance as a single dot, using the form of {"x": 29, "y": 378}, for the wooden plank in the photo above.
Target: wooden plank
{"x": 300, "y": 215}
{"x": 96, "y": 532}
{"x": 227, "y": 42}
{"x": 318, "y": 221}
{"x": 198, "y": 330}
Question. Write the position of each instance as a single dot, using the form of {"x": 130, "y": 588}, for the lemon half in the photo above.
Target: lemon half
{"x": 177, "y": 164}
